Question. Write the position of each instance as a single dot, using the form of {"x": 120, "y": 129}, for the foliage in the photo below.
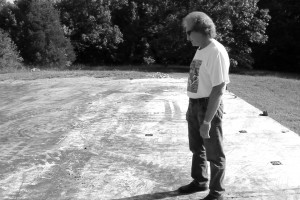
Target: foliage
{"x": 148, "y": 31}
{"x": 2, "y": 3}
{"x": 35, "y": 27}
{"x": 239, "y": 23}
{"x": 154, "y": 28}
{"x": 281, "y": 52}
{"x": 9, "y": 22}
{"x": 134, "y": 18}
{"x": 133, "y": 31}
{"x": 88, "y": 24}
{"x": 9, "y": 56}
{"x": 168, "y": 41}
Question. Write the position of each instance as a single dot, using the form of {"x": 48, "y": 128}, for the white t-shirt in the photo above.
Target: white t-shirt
{"x": 210, "y": 67}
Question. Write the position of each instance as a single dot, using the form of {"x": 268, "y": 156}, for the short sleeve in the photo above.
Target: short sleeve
{"x": 218, "y": 68}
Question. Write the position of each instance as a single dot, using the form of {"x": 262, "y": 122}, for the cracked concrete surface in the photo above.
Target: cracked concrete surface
{"x": 97, "y": 139}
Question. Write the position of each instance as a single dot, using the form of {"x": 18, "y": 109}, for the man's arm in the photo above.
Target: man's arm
{"x": 215, "y": 98}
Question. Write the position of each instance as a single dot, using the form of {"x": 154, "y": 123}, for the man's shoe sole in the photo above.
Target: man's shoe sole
{"x": 194, "y": 191}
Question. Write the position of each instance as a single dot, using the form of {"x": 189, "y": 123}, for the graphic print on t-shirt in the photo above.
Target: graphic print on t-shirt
{"x": 193, "y": 77}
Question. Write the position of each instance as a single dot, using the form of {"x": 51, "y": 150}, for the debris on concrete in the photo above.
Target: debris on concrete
{"x": 242, "y": 131}
{"x": 276, "y": 163}
{"x": 265, "y": 113}
{"x": 35, "y": 70}
{"x": 160, "y": 75}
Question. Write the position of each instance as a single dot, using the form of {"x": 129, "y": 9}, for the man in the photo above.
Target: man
{"x": 206, "y": 84}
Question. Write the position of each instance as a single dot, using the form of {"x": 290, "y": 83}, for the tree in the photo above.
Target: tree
{"x": 238, "y": 23}
{"x": 241, "y": 23}
{"x": 158, "y": 24}
{"x": 281, "y": 52}
{"x": 88, "y": 24}
{"x": 35, "y": 28}
{"x": 7, "y": 18}
{"x": 168, "y": 39}
{"x": 9, "y": 56}
{"x": 135, "y": 20}
{"x": 2, "y": 3}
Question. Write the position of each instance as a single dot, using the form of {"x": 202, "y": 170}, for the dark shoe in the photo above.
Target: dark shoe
{"x": 192, "y": 188}
{"x": 211, "y": 197}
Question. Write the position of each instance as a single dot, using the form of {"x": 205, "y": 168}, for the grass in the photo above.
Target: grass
{"x": 278, "y": 93}
{"x": 119, "y": 72}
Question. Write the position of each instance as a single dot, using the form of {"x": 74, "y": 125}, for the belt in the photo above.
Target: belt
{"x": 205, "y": 99}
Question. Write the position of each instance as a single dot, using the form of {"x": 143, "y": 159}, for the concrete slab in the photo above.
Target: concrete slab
{"x": 128, "y": 141}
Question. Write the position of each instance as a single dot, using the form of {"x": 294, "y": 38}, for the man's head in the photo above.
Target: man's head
{"x": 199, "y": 27}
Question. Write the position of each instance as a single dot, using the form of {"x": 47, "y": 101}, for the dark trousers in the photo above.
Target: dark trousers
{"x": 206, "y": 149}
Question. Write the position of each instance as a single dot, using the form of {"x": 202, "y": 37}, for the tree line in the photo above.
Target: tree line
{"x": 59, "y": 33}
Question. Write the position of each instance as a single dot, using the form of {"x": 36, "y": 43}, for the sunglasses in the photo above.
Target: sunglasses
{"x": 189, "y": 32}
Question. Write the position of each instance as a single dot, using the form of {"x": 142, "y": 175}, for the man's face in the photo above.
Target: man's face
{"x": 196, "y": 38}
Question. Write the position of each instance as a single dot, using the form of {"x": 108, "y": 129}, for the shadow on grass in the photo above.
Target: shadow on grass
{"x": 159, "y": 195}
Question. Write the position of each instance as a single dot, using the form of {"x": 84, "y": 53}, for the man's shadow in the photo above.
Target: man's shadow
{"x": 158, "y": 195}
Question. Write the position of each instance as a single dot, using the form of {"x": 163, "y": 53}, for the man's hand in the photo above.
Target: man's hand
{"x": 215, "y": 98}
{"x": 204, "y": 130}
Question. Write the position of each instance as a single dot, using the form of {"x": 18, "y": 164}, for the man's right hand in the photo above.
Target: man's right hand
{"x": 204, "y": 130}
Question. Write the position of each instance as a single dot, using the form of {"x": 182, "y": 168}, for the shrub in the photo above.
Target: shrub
{"x": 88, "y": 24}
{"x": 9, "y": 56}
{"x": 41, "y": 39}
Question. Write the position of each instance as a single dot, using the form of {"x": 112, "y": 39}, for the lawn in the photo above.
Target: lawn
{"x": 277, "y": 93}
